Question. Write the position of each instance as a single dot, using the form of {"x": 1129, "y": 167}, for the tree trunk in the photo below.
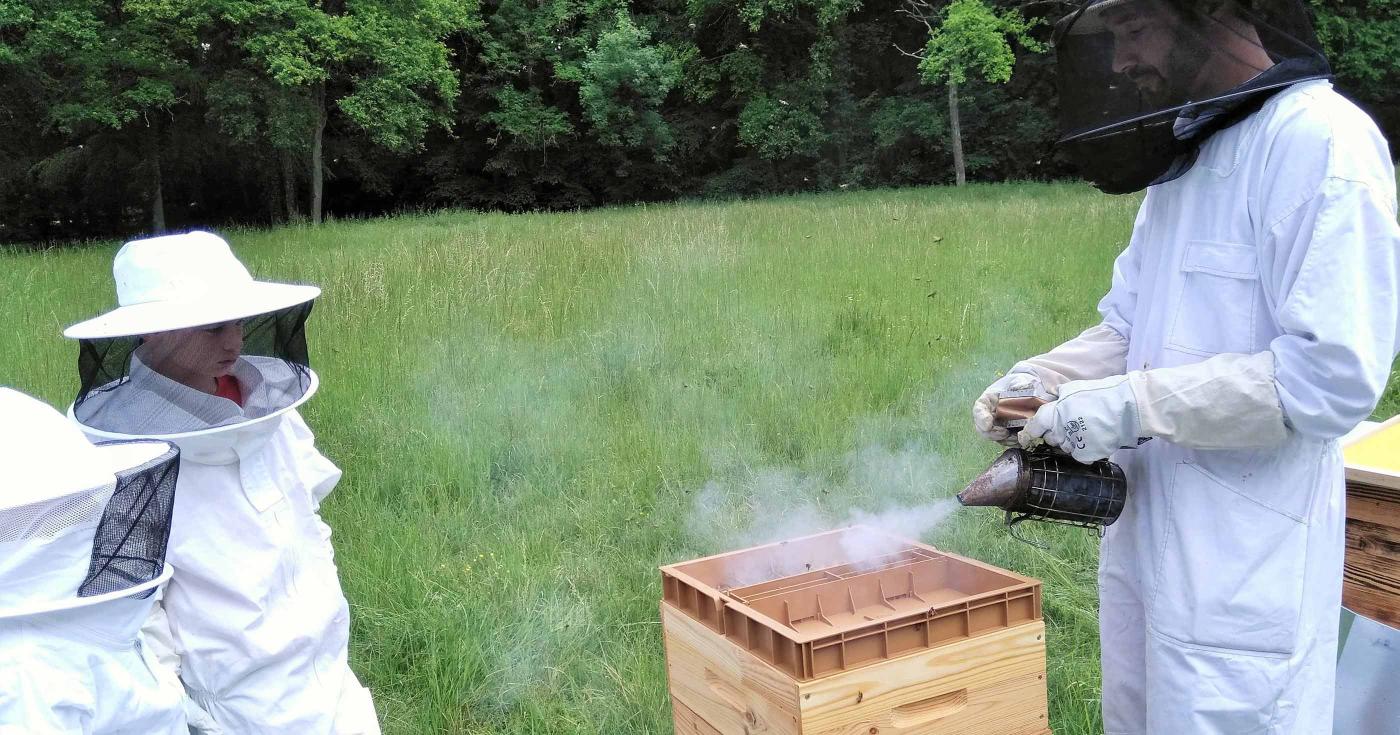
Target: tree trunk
{"x": 157, "y": 186}
{"x": 959, "y": 168}
{"x": 289, "y": 186}
{"x": 318, "y": 99}
{"x": 268, "y": 187}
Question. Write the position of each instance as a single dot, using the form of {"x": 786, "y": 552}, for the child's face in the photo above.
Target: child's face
{"x": 195, "y": 356}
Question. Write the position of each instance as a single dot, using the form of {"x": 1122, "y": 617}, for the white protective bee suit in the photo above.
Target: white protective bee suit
{"x": 255, "y": 611}
{"x": 71, "y": 659}
{"x": 1252, "y": 322}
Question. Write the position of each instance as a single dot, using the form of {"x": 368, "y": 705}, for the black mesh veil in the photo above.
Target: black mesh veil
{"x": 1144, "y": 82}
{"x": 105, "y": 365}
{"x": 129, "y": 545}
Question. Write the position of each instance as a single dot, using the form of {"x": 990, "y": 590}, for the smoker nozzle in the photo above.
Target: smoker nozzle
{"x": 1000, "y": 485}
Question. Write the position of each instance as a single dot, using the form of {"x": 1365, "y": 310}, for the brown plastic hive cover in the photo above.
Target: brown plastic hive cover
{"x": 827, "y": 602}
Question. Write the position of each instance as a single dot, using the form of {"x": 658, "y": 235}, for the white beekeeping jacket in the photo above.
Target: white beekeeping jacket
{"x": 85, "y": 671}
{"x": 255, "y": 608}
{"x": 1220, "y": 586}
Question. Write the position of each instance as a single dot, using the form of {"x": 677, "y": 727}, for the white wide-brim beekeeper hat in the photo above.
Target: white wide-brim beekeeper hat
{"x": 184, "y": 281}
{"x": 54, "y": 503}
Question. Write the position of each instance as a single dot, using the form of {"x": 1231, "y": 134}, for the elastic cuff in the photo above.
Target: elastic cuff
{"x": 1136, "y": 383}
{"x": 1050, "y": 381}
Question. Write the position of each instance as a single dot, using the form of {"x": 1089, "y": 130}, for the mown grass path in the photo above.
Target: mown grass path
{"x": 534, "y": 412}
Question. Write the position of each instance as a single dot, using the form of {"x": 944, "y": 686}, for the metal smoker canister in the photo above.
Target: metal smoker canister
{"x": 1048, "y": 486}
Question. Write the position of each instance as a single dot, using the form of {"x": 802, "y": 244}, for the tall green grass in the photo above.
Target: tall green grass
{"x": 535, "y": 411}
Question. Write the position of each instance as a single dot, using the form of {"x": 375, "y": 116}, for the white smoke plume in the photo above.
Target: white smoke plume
{"x": 899, "y": 493}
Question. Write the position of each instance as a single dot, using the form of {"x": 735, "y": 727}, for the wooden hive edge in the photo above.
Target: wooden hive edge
{"x": 733, "y": 691}
{"x": 993, "y": 684}
{"x": 1371, "y": 572}
{"x": 722, "y": 684}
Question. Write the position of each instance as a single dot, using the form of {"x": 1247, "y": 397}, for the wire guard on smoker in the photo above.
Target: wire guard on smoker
{"x": 1061, "y": 490}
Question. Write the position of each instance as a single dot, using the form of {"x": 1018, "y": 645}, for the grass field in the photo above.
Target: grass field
{"x": 535, "y": 411}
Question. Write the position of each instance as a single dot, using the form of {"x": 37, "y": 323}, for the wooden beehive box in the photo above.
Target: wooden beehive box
{"x": 1371, "y": 575}
{"x": 853, "y": 632}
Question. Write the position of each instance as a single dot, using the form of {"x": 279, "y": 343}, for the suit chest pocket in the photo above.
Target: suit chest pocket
{"x": 1215, "y": 311}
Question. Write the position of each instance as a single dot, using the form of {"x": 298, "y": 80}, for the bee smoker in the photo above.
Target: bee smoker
{"x": 1043, "y": 484}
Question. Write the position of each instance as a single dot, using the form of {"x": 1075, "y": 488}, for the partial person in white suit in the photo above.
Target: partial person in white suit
{"x": 1252, "y": 321}
{"x": 83, "y": 532}
{"x": 202, "y": 355}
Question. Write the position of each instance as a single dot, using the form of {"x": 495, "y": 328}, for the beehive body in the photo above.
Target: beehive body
{"x": 988, "y": 685}
{"x": 1371, "y": 576}
{"x": 953, "y": 664}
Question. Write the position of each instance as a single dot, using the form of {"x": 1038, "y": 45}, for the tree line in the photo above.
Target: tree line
{"x": 119, "y": 117}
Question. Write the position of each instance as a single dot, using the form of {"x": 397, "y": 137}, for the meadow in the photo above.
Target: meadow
{"x": 533, "y": 412}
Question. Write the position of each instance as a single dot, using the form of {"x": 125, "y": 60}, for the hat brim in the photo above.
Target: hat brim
{"x": 120, "y": 457}
{"x": 252, "y": 299}
{"x": 73, "y": 603}
{"x": 1092, "y": 19}
{"x": 111, "y": 460}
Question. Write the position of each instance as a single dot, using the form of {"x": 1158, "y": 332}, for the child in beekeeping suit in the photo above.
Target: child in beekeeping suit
{"x": 201, "y": 355}
{"x": 83, "y": 534}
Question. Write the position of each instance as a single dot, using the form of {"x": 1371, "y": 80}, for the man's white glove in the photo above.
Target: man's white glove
{"x": 1097, "y": 352}
{"x": 1091, "y": 420}
{"x": 984, "y": 410}
{"x": 1227, "y": 402}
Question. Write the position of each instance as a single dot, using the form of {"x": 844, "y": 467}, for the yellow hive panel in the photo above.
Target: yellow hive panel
{"x": 1380, "y": 449}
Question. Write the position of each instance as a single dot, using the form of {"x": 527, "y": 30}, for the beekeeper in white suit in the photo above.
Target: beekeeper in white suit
{"x": 200, "y": 354}
{"x": 82, "y": 545}
{"x": 1252, "y": 321}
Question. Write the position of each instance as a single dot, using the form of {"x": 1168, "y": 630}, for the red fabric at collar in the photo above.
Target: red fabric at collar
{"x": 226, "y": 386}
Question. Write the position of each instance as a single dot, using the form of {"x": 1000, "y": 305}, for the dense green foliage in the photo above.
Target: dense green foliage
{"x": 120, "y": 117}
{"x": 974, "y": 39}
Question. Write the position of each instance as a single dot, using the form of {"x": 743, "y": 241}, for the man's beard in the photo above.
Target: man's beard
{"x": 1161, "y": 90}
{"x": 1175, "y": 82}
